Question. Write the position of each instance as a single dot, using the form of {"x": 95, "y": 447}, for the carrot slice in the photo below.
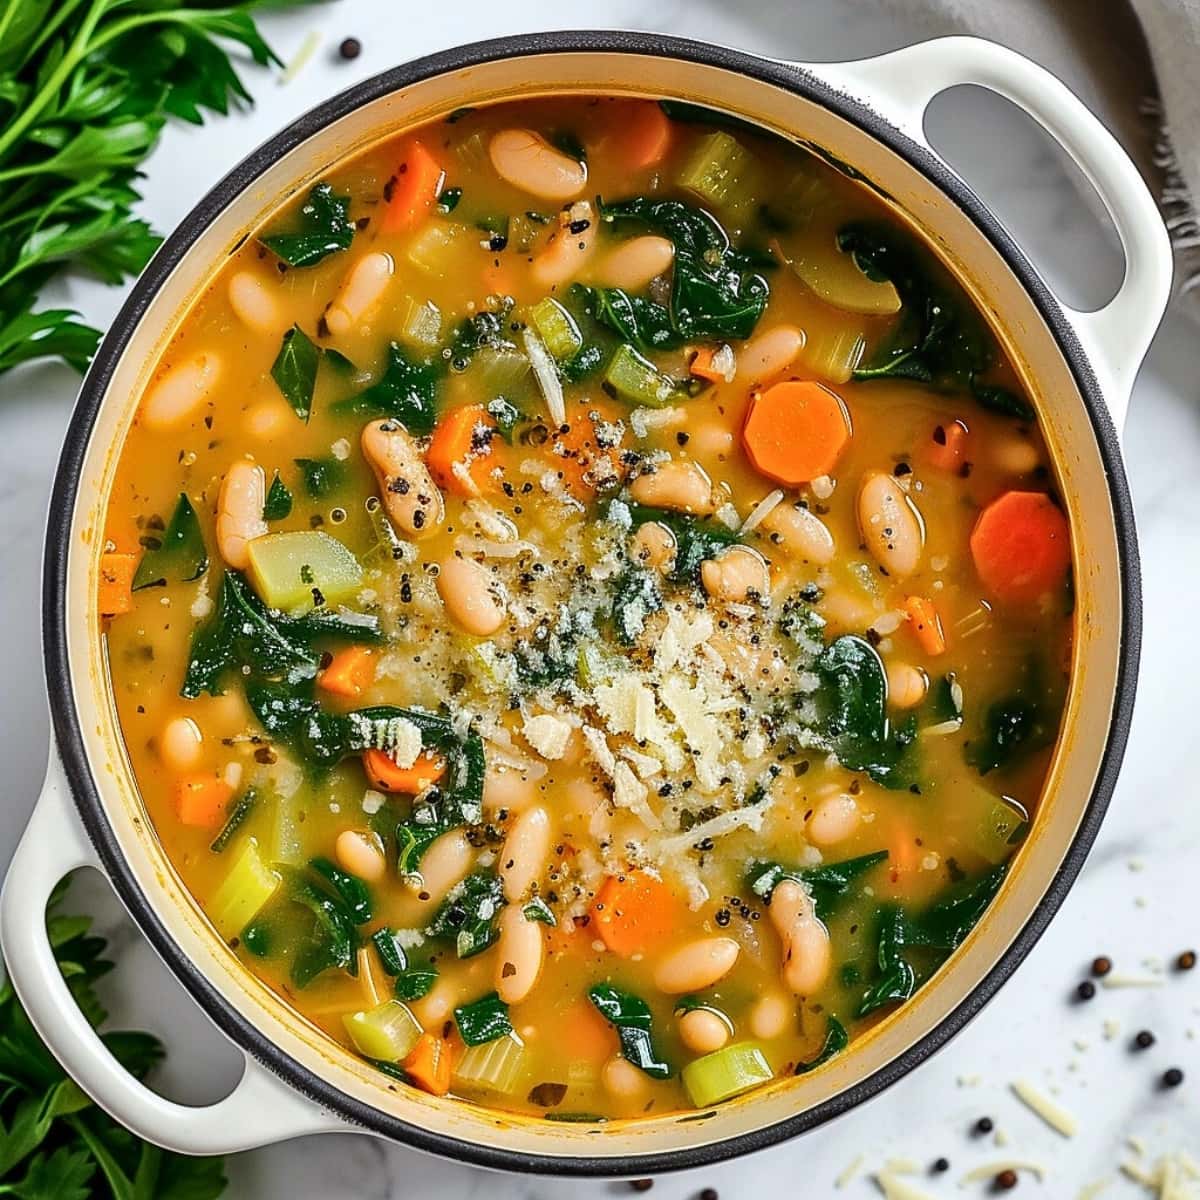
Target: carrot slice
{"x": 645, "y": 135}
{"x": 413, "y": 191}
{"x": 430, "y": 1063}
{"x": 796, "y": 431}
{"x": 634, "y": 912}
{"x": 385, "y": 774}
{"x": 202, "y": 800}
{"x": 116, "y": 583}
{"x": 461, "y": 456}
{"x": 947, "y": 449}
{"x": 587, "y": 460}
{"x": 1021, "y": 545}
{"x": 927, "y": 625}
{"x": 702, "y": 366}
{"x": 351, "y": 671}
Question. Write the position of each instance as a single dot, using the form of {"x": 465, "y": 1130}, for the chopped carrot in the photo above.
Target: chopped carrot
{"x": 590, "y": 1037}
{"x": 634, "y": 912}
{"x": 461, "y": 456}
{"x": 351, "y": 671}
{"x": 385, "y": 774}
{"x": 643, "y": 136}
{"x": 796, "y": 431}
{"x": 1021, "y": 546}
{"x": 586, "y": 461}
{"x": 413, "y": 191}
{"x": 202, "y": 800}
{"x": 927, "y": 625}
{"x": 430, "y": 1063}
{"x": 116, "y": 583}
{"x": 902, "y": 851}
{"x": 947, "y": 448}
{"x": 702, "y": 366}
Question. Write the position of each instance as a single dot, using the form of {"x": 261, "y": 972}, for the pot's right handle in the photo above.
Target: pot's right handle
{"x": 260, "y": 1109}
{"x": 901, "y": 85}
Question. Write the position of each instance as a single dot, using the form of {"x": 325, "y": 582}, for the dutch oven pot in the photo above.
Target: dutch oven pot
{"x": 864, "y": 116}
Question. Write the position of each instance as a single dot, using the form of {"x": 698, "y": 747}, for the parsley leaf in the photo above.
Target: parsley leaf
{"x": 295, "y": 370}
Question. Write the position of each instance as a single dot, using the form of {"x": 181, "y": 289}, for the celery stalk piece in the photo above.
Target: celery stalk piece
{"x": 499, "y": 371}
{"x": 244, "y": 892}
{"x": 638, "y": 381}
{"x": 422, "y": 324}
{"x": 496, "y": 1066}
{"x": 727, "y": 1072}
{"x": 1003, "y": 825}
{"x": 556, "y": 327}
{"x": 833, "y": 355}
{"x": 387, "y": 1032}
{"x": 722, "y": 171}
{"x": 433, "y": 249}
{"x": 287, "y": 568}
{"x": 835, "y": 277}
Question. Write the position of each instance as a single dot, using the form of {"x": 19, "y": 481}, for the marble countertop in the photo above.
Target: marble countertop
{"x": 1138, "y": 899}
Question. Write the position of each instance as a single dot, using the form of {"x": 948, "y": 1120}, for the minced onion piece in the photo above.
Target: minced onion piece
{"x": 546, "y": 373}
{"x": 762, "y": 510}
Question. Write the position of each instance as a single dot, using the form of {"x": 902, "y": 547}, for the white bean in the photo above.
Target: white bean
{"x": 412, "y": 500}
{"x": 890, "y": 524}
{"x": 255, "y": 305}
{"x": 710, "y": 440}
{"x": 806, "y": 950}
{"x": 770, "y": 1016}
{"x": 361, "y": 290}
{"x": 768, "y": 354}
{"x": 680, "y": 484}
{"x": 471, "y": 595}
{"x": 703, "y": 1031}
{"x": 269, "y": 419}
{"x": 519, "y": 951}
{"x": 633, "y": 264}
{"x": 181, "y": 744}
{"x": 180, "y": 392}
{"x": 361, "y": 854}
{"x": 653, "y": 544}
{"x": 438, "y": 1003}
{"x": 696, "y": 965}
{"x": 526, "y": 852}
{"x": 906, "y": 685}
{"x": 527, "y": 161}
{"x": 1013, "y": 454}
{"x": 444, "y": 864}
{"x": 240, "y": 512}
{"x": 507, "y": 789}
{"x": 800, "y": 532}
{"x": 622, "y": 1079}
{"x": 737, "y": 575}
{"x": 564, "y": 255}
{"x": 833, "y": 820}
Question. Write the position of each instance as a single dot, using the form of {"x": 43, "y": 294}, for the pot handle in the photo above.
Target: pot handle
{"x": 260, "y": 1109}
{"x": 900, "y": 85}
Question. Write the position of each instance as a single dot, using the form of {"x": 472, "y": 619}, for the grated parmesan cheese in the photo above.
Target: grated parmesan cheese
{"x": 1052, "y": 1113}
{"x": 548, "y": 735}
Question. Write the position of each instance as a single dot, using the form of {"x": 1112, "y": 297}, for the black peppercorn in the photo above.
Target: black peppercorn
{"x": 941, "y": 1166}
{"x": 1086, "y": 990}
{"x": 1101, "y": 966}
{"x": 1144, "y": 1040}
{"x": 641, "y": 1185}
{"x": 1006, "y": 1180}
{"x": 1186, "y": 961}
{"x": 984, "y": 1125}
{"x": 709, "y": 1194}
{"x": 1172, "y": 1077}
{"x": 350, "y": 48}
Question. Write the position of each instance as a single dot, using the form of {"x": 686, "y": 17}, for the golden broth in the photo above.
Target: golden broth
{"x": 589, "y": 628}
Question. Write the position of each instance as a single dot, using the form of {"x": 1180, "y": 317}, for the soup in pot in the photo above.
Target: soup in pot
{"x": 588, "y": 607}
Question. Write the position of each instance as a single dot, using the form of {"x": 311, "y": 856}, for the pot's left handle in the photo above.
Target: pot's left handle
{"x": 260, "y": 1109}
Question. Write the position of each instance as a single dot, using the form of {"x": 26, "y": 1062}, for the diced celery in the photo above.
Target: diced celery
{"x": 422, "y": 324}
{"x": 836, "y": 277}
{"x": 1002, "y": 828}
{"x": 556, "y": 327}
{"x": 639, "y": 382}
{"x": 243, "y": 892}
{"x": 387, "y": 1032}
{"x": 594, "y": 665}
{"x": 500, "y": 371}
{"x": 472, "y": 152}
{"x": 432, "y": 249}
{"x": 722, "y": 171}
{"x": 496, "y": 1065}
{"x": 728, "y": 1072}
{"x": 286, "y": 568}
{"x": 833, "y": 354}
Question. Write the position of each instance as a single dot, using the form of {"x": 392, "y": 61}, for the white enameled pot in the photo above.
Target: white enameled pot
{"x": 865, "y": 117}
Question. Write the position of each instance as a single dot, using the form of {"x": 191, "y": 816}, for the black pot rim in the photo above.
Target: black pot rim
{"x": 54, "y": 623}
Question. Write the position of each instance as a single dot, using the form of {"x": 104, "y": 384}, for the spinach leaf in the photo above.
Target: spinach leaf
{"x": 714, "y": 293}
{"x": 236, "y": 819}
{"x": 939, "y": 339}
{"x": 324, "y": 228}
{"x": 635, "y": 597}
{"x": 1002, "y": 400}
{"x": 448, "y": 199}
{"x": 392, "y": 955}
{"x": 333, "y": 942}
{"x": 351, "y": 890}
{"x": 644, "y": 323}
{"x": 1011, "y": 727}
{"x": 488, "y": 327}
{"x": 295, "y": 370}
{"x": 406, "y": 392}
{"x": 852, "y": 704}
{"x": 322, "y": 476}
{"x": 538, "y": 910}
{"x": 836, "y": 1040}
{"x": 181, "y": 555}
{"x": 506, "y": 415}
{"x": 700, "y": 114}
{"x": 630, "y": 1016}
{"x": 828, "y": 883}
{"x": 696, "y": 538}
{"x": 415, "y": 983}
{"x": 898, "y": 979}
{"x": 469, "y": 914}
{"x": 483, "y": 1020}
{"x": 278, "y": 504}
{"x": 944, "y": 925}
